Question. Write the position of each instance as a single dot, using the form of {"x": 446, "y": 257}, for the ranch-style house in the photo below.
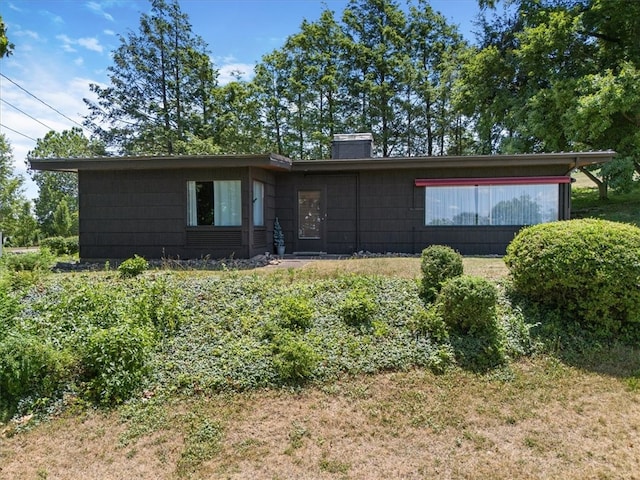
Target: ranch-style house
{"x": 225, "y": 205}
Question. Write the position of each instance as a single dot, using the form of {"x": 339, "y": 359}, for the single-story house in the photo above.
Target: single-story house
{"x": 225, "y": 205}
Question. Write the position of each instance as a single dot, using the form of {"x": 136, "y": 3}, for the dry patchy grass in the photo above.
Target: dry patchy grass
{"x": 539, "y": 420}
{"x": 492, "y": 268}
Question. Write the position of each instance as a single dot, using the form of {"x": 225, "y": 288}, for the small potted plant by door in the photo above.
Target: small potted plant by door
{"x": 278, "y": 237}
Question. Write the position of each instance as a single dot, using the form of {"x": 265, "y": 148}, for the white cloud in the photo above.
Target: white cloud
{"x": 79, "y": 61}
{"x": 228, "y": 72}
{"x": 90, "y": 43}
{"x": 28, "y": 33}
{"x": 109, "y": 32}
{"x": 67, "y": 43}
{"x": 52, "y": 16}
{"x": 98, "y": 9}
{"x": 45, "y": 83}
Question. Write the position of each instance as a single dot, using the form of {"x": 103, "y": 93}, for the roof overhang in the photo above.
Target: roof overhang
{"x": 571, "y": 160}
{"x": 267, "y": 162}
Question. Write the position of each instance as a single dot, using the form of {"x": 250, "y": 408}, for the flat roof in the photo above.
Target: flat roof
{"x": 161, "y": 162}
{"x": 280, "y": 163}
{"x": 570, "y": 159}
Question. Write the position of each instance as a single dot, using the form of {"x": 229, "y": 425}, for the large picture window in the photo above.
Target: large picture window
{"x": 502, "y": 203}
{"x": 215, "y": 202}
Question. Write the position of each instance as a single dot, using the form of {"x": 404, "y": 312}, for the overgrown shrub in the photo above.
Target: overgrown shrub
{"x": 467, "y": 304}
{"x": 115, "y": 360}
{"x": 358, "y": 308}
{"x": 29, "y": 367}
{"x": 590, "y": 268}
{"x": 39, "y": 261}
{"x": 158, "y": 304}
{"x": 427, "y": 322}
{"x": 294, "y": 359}
{"x": 132, "y": 267}
{"x": 61, "y": 245}
{"x": 438, "y": 263}
{"x": 293, "y": 313}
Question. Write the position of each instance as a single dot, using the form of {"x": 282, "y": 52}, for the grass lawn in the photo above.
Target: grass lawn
{"x": 540, "y": 418}
{"x": 619, "y": 207}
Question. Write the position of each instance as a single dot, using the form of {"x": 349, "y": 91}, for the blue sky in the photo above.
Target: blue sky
{"x": 63, "y": 45}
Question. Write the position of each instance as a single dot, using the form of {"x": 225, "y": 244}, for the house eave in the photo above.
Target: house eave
{"x": 132, "y": 163}
{"x": 571, "y": 160}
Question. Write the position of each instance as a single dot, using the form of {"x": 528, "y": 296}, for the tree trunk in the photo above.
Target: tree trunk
{"x": 602, "y": 185}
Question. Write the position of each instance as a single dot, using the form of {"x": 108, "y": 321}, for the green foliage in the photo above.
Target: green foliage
{"x": 294, "y": 359}
{"x": 56, "y": 207}
{"x": 62, "y": 220}
{"x": 39, "y": 261}
{"x": 293, "y": 313}
{"x": 115, "y": 361}
{"x": 278, "y": 235}
{"x": 132, "y": 267}
{"x": 438, "y": 263}
{"x": 358, "y": 307}
{"x": 203, "y": 440}
{"x": 29, "y": 367}
{"x": 427, "y": 322}
{"x": 9, "y": 309}
{"x": 468, "y": 304}
{"x": 175, "y": 78}
{"x": 588, "y": 268}
{"x": 200, "y": 334}
{"x": 158, "y": 304}
{"x": 61, "y": 245}
{"x": 6, "y": 47}
{"x": 15, "y": 209}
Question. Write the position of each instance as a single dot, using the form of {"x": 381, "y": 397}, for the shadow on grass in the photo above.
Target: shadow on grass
{"x": 619, "y": 207}
{"x": 578, "y": 346}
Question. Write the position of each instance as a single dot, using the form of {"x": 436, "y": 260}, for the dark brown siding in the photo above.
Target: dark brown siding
{"x": 382, "y": 211}
{"x": 144, "y": 212}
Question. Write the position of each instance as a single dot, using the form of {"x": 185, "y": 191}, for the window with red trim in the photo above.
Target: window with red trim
{"x": 491, "y": 201}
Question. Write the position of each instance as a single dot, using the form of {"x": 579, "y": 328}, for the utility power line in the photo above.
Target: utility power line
{"x": 42, "y": 101}
{"x": 19, "y": 133}
{"x": 25, "y": 113}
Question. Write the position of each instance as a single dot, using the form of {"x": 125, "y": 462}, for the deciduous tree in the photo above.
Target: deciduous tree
{"x": 56, "y": 187}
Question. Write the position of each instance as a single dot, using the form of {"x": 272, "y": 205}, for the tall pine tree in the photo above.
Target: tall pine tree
{"x": 161, "y": 83}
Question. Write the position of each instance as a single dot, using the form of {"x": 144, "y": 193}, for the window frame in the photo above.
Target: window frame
{"x": 226, "y": 205}
{"x": 485, "y": 193}
{"x": 258, "y": 209}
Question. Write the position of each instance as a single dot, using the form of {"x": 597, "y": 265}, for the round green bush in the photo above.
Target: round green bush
{"x": 61, "y": 245}
{"x": 438, "y": 264}
{"x": 467, "y": 304}
{"x": 590, "y": 268}
{"x": 294, "y": 359}
{"x": 293, "y": 313}
{"x": 358, "y": 307}
{"x": 132, "y": 267}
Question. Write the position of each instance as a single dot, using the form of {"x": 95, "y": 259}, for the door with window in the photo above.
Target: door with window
{"x": 311, "y": 215}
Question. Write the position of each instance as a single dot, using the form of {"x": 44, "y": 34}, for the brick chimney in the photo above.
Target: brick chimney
{"x": 352, "y": 145}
